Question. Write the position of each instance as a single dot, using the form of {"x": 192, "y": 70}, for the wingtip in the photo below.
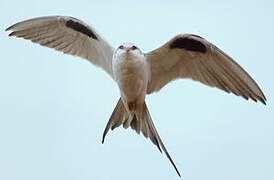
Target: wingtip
{"x": 11, "y": 34}
{"x": 9, "y": 28}
{"x": 262, "y": 99}
{"x": 257, "y": 99}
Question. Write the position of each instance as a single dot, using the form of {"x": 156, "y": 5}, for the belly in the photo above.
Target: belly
{"x": 132, "y": 79}
{"x": 132, "y": 87}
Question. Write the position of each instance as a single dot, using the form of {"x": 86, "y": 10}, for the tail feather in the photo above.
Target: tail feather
{"x": 160, "y": 142}
{"x": 140, "y": 121}
{"x": 118, "y": 116}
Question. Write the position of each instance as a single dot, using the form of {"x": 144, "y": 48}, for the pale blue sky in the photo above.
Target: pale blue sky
{"x": 54, "y": 107}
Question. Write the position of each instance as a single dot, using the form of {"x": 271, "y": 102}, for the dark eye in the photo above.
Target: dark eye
{"x": 134, "y": 47}
{"x": 121, "y": 47}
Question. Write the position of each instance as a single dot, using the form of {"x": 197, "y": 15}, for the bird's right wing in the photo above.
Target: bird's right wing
{"x": 69, "y": 35}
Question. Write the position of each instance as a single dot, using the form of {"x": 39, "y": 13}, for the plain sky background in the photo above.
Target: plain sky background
{"x": 54, "y": 107}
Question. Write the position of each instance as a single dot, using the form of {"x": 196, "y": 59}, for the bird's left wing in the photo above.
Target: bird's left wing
{"x": 190, "y": 56}
{"x": 69, "y": 35}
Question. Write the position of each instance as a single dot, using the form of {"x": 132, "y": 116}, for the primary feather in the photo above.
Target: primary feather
{"x": 69, "y": 35}
{"x": 190, "y": 56}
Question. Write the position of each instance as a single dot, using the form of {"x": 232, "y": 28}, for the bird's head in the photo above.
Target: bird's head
{"x": 128, "y": 50}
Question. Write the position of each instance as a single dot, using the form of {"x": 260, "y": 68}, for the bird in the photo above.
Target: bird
{"x": 138, "y": 74}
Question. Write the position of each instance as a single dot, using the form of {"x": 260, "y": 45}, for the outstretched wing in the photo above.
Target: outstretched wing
{"x": 68, "y": 35}
{"x": 191, "y": 56}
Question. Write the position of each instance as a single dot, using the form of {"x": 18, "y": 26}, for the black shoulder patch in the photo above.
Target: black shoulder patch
{"x": 188, "y": 44}
{"x": 80, "y": 28}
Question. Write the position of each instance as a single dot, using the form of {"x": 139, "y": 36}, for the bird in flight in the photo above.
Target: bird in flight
{"x": 138, "y": 74}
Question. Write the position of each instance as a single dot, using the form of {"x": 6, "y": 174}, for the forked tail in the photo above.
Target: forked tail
{"x": 141, "y": 122}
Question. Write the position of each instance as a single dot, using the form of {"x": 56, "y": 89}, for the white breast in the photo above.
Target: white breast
{"x": 131, "y": 74}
